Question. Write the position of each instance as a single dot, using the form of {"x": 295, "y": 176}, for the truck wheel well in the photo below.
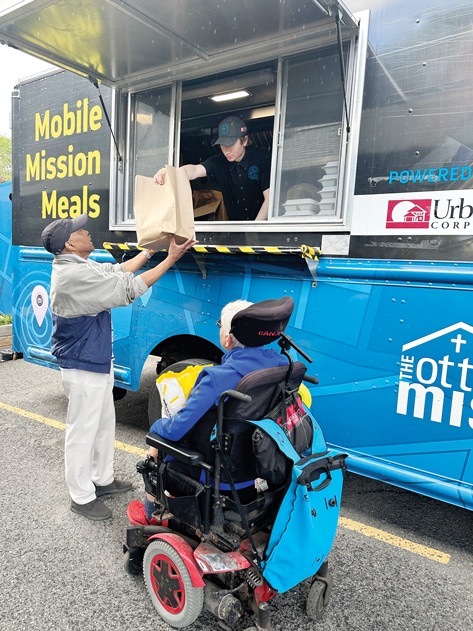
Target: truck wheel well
{"x": 179, "y": 347}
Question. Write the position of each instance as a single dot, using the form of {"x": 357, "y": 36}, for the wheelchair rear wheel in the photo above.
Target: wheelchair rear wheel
{"x": 170, "y": 587}
{"x": 154, "y": 400}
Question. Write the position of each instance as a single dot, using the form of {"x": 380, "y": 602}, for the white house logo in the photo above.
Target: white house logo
{"x": 408, "y": 214}
{"x": 436, "y": 375}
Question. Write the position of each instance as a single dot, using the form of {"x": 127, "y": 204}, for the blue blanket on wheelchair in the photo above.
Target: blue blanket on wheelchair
{"x": 306, "y": 523}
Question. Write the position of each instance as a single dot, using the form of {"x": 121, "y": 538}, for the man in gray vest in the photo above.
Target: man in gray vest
{"x": 82, "y": 294}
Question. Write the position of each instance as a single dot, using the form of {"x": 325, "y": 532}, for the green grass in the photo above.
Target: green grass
{"x": 5, "y": 319}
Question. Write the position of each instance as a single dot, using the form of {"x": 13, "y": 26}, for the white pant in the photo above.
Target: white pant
{"x": 90, "y": 432}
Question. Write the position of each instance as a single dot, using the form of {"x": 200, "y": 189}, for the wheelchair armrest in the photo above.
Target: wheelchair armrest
{"x": 187, "y": 456}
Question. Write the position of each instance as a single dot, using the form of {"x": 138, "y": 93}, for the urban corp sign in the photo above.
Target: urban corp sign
{"x": 415, "y": 214}
{"x": 446, "y": 212}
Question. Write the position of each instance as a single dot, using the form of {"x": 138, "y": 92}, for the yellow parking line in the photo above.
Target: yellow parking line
{"x": 32, "y": 415}
{"x": 131, "y": 449}
{"x": 393, "y": 540}
{"x": 350, "y": 524}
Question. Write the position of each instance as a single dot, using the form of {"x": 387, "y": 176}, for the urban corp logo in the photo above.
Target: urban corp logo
{"x": 435, "y": 214}
{"x": 410, "y": 214}
{"x": 436, "y": 377}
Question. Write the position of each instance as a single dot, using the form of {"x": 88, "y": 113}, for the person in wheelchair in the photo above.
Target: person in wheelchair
{"x": 204, "y": 545}
{"x": 238, "y": 361}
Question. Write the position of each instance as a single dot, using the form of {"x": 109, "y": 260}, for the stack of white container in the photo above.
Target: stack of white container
{"x": 301, "y": 207}
{"x": 328, "y": 192}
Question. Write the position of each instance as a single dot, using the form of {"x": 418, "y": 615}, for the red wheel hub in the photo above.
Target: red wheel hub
{"x": 167, "y": 584}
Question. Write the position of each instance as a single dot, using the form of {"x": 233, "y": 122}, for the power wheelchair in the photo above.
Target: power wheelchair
{"x": 230, "y": 549}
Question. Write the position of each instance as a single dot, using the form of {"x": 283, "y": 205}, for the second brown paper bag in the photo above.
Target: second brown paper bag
{"x": 163, "y": 210}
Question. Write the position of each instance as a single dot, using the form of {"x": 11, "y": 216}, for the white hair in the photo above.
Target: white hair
{"x": 228, "y": 311}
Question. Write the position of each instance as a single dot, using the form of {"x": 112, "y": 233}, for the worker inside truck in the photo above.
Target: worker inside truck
{"x": 240, "y": 171}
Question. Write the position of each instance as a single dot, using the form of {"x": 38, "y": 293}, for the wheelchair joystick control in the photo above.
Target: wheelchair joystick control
{"x": 141, "y": 467}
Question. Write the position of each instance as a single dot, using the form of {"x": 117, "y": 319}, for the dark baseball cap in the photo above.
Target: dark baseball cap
{"x": 229, "y": 130}
{"x": 55, "y": 235}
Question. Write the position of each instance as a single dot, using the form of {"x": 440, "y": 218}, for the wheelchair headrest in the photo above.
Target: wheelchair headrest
{"x": 263, "y": 322}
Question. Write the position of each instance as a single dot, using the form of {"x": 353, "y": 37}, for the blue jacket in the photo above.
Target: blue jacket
{"x": 210, "y": 384}
{"x": 83, "y": 343}
{"x": 82, "y": 294}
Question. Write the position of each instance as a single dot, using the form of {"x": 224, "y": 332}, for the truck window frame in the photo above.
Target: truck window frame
{"x": 121, "y": 215}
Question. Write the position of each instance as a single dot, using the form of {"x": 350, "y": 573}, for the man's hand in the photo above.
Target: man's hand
{"x": 174, "y": 254}
{"x": 176, "y": 251}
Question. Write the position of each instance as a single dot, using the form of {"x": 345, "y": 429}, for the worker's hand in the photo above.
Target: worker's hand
{"x": 176, "y": 251}
{"x": 160, "y": 176}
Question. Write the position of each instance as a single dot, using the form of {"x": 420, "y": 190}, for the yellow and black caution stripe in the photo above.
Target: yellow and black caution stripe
{"x": 126, "y": 247}
{"x": 305, "y": 251}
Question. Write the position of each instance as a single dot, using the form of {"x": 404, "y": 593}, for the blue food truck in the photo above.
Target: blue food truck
{"x": 366, "y": 109}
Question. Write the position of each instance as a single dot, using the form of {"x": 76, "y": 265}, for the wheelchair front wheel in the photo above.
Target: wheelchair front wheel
{"x": 170, "y": 586}
{"x": 315, "y": 606}
{"x": 133, "y": 561}
{"x": 154, "y": 400}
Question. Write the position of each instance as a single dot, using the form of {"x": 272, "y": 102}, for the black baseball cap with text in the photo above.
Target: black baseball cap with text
{"x": 229, "y": 130}
{"x": 55, "y": 235}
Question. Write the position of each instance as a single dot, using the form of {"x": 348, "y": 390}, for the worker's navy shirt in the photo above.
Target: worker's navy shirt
{"x": 241, "y": 183}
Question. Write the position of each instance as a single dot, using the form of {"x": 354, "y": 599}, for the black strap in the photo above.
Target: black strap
{"x": 96, "y": 84}
{"x": 278, "y": 396}
{"x": 342, "y": 66}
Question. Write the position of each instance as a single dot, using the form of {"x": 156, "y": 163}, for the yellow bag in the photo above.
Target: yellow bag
{"x": 305, "y": 395}
{"x": 175, "y": 387}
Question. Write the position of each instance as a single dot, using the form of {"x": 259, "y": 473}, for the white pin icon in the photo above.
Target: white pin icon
{"x": 40, "y": 301}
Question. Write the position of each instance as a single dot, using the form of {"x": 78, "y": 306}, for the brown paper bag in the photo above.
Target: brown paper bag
{"x": 206, "y": 202}
{"x": 209, "y": 202}
{"x": 163, "y": 210}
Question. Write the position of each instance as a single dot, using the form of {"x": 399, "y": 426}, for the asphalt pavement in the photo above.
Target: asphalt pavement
{"x": 400, "y": 561}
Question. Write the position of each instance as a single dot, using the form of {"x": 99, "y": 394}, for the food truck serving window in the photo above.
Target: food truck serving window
{"x": 304, "y": 144}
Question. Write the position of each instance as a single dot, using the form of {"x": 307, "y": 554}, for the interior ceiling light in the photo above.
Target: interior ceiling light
{"x": 229, "y": 96}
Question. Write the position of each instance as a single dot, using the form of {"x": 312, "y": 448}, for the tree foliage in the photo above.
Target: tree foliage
{"x": 5, "y": 159}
